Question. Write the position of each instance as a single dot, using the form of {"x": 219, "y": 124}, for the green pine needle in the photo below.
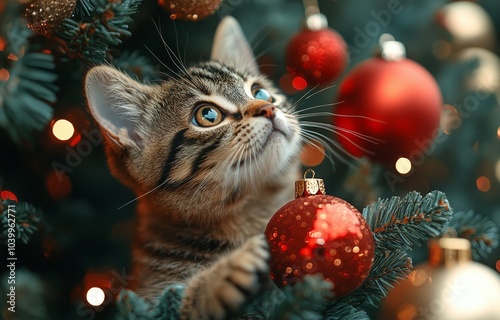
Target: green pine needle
{"x": 91, "y": 38}
{"x": 386, "y": 270}
{"x": 25, "y": 217}
{"x": 132, "y": 307}
{"x": 401, "y": 223}
{"x": 25, "y": 96}
{"x": 169, "y": 303}
{"x": 305, "y": 300}
{"x": 136, "y": 65}
{"x": 480, "y": 231}
{"x": 344, "y": 311}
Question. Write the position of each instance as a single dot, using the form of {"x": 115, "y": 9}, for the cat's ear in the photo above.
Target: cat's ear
{"x": 116, "y": 102}
{"x": 231, "y": 47}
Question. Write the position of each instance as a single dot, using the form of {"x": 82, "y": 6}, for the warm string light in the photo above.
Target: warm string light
{"x": 403, "y": 165}
{"x": 497, "y": 170}
{"x": 312, "y": 154}
{"x": 95, "y": 296}
{"x": 483, "y": 184}
{"x": 63, "y": 129}
{"x": 4, "y": 74}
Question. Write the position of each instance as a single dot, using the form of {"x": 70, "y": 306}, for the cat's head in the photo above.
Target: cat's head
{"x": 215, "y": 133}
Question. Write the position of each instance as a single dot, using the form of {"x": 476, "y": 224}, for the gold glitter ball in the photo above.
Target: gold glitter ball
{"x": 192, "y": 10}
{"x": 45, "y": 16}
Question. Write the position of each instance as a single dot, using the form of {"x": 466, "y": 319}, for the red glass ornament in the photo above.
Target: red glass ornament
{"x": 318, "y": 56}
{"x": 402, "y": 96}
{"x": 320, "y": 234}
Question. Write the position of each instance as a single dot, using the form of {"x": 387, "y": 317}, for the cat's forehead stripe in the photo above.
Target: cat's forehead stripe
{"x": 222, "y": 102}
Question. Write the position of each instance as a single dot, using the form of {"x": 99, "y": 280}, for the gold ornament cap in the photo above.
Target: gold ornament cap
{"x": 309, "y": 186}
{"x": 449, "y": 251}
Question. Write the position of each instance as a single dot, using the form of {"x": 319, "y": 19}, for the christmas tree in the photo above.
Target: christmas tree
{"x": 67, "y": 224}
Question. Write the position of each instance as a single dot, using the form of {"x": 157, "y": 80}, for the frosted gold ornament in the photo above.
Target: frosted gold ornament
{"x": 448, "y": 287}
{"x": 190, "y": 9}
{"x": 486, "y": 76}
{"x": 468, "y": 24}
{"x": 45, "y": 16}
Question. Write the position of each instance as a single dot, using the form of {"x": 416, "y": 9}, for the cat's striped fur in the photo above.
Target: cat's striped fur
{"x": 205, "y": 193}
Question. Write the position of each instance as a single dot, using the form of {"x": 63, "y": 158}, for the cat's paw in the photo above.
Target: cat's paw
{"x": 248, "y": 268}
{"x": 224, "y": 288}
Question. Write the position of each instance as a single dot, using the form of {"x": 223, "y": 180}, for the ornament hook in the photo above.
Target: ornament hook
{"x": 309, "y": 171}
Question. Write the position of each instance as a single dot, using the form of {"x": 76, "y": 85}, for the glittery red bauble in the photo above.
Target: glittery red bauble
{"x": 320, "y": 234}
{"x": 190, "y": 9}
{"x": 402, "y": 96}
{"x": 317, "y": 56}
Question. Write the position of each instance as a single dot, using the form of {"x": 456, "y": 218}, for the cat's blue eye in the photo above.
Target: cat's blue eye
{"x": 262, "y": 94}
{"x": 207, "y": 116}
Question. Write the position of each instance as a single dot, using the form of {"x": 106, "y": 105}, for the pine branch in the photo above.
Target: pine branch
{"x": 401, "y": 223}
{"x": 25, "y": 218}
{"x": 344, "y": 311}
{"x": 480, "y": 231}
{"x": 84, "y": 8}
{"x": 25, "y": 96}
{"x": 305, "y": 300}
{"x": 388, "y": 267}
{"x": 169, "y": 303}
{"x": 91, "y": 38}
{"x": 136, "y": 65}
{"x": 132, "y": 307}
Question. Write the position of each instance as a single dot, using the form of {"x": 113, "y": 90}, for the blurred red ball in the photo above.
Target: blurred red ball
{"x": 405, "y": 100}
{"x": 318, "y": 56}
{"x": 320, "y": 234}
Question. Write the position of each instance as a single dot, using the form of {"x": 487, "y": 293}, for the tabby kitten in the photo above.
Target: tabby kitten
{"x": 211, "y": 156}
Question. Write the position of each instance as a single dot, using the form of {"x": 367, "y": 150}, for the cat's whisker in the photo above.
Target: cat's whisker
{"x": 143, "y": 195}
{"x": 300, "y": 111}
{"x": 303, "y": 97}
{"x": 311, "y": 138}
{"x": 327, "y": 144}
{"x": 321, "y": 90}
{"x": 178, "y": 63}
{"x": 339, "y": 130}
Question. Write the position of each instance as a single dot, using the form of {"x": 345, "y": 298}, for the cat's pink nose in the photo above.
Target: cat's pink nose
{"x": 267, "y": 110}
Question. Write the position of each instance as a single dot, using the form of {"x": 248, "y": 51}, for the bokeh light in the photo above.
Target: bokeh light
{"x": 299, "y": 83}
{"x": 63, "y": 129}
{"x": 403, "y": 165}
{"x": 498, "y": 133}
{"x": 58, "y": 185}
{"x": 450, "y": 119}
{"x": 4, "y": 74}
{"x": 312, "y": 154}
{"x": 498, "y": 265}
{"x": 441, "y": 49}
{"x": 95, "y": 296}
{"x": 483, "y": 184}
{"x": 497, "y": 170}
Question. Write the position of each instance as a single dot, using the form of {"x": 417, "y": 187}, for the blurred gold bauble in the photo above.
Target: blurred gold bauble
{"x": 468, "y": 24}
{"x": 486, "y": 77}
{"x": 45, "y": 16}
{"x": 449, "y": 287}
{"x": 190, "y": 9}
